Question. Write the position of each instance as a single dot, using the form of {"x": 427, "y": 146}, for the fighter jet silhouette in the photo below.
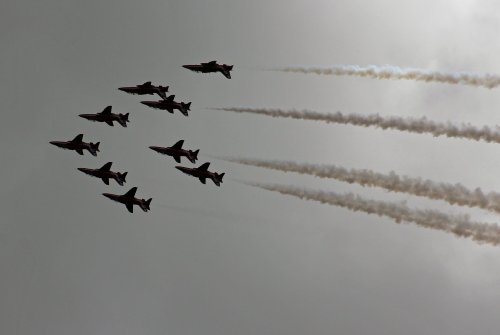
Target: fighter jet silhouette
{"x": 202, "y": 173}
{"x": 105, "y": 174}
{"x": 129, "y": 200}
{"x": 78, "y": 145}
{"x": 177, "y": 152}
{"x": 146, "y": 88}
{"x": 211, "y": 67}
{"x": 169, "y": 105}
{"x": 107, "y": 116}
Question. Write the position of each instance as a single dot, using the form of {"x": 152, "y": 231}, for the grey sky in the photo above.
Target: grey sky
{"x": 235, "y": 259}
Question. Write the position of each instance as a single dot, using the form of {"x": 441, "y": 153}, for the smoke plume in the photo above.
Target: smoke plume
{"x": 455, "y": 194}
{"x": 394, "y": 72}
{"x": 419, "y": 126}
{"x": 459, "y": 225}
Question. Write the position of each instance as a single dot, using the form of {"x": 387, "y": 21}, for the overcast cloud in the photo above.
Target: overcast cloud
{"x": 238, "y": 259}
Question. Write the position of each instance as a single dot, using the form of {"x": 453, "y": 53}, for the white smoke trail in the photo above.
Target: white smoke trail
{"x": 419, "y": 126}
{"x": 394, "y": 72}
{"x": 455, "y": 194}
{"x": 459, "y": 225}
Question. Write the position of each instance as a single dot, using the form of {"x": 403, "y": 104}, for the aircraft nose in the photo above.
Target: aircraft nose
{"x": 81, "y": 169}
{"x": 180, "y": 168}
{"x": 108, "y": 195}
{"x": 122, "y": 88}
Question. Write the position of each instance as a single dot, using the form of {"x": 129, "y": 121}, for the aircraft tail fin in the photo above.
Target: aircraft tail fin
{"x": 94, "y": 148}
{"x": 185, "y": 107}
{"x": 145, "y": 207}
{"x": 123, "y": 119}
{"x": 193, "y": 156}
{"x": 217, "y": 179}
{"x": 121, "y": 178}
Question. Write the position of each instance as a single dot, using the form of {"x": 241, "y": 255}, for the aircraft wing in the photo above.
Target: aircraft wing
{"x": 204, "y": 167}
{"x": 107, "y": 110}
{"x": 203, "y": 180}
{"x": 131, "y": 192}
{"x": 80, "y": 151}
{"x": 78, "y": 138}
{"x": 177, "y": 159}
{"x": 110, "y": 123}
{"x": 130, "y": 208}
{"x": 178, "y": 145}
{"x": 106, "y": 167}
{"x": 105, "y": 180}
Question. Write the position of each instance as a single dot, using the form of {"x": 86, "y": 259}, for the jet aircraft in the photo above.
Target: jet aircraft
{"x": 78, "y": 145}
{"x": 129, "y": 200}
{"x": 105, "y": 174}
{"x": 108, "y": 117}
{"x": 177, "y": 152}
{"x": 146, "y": 88}
{"x": 211, "y": 67}
{"x": 169, "y": 105}
{"x": 202, "y": 173}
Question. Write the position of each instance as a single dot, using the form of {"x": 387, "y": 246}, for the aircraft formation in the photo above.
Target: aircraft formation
{"x": 176, "y": 151}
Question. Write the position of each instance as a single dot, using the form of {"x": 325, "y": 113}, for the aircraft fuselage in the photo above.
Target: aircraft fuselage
{"x": 167, "y": 105}
{"x": 211, "y": 68}
{"x": 201, "y": 174}
{"x": 127, "y": 201}
{"x": 173, "y": 152}
{"x": 103, "y": 174}
{"x": 150, "y": 90}
{"x": 108, "y": 118}
{"x": 76, "y": 146}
